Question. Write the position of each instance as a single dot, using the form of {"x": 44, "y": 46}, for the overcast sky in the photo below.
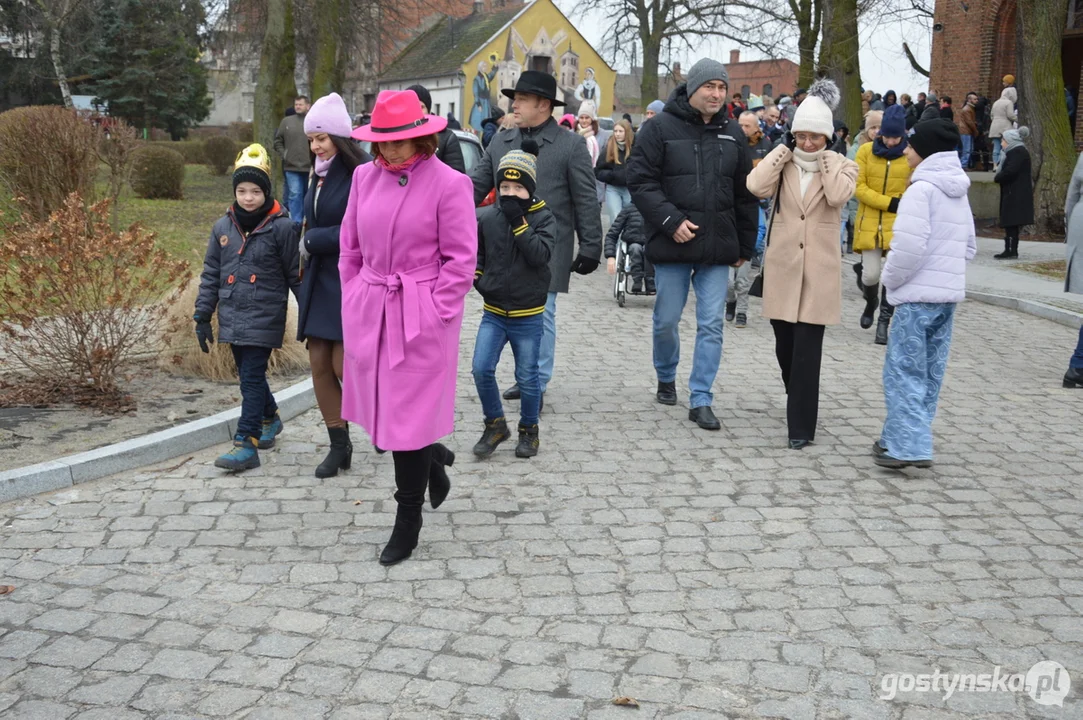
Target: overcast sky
{"x": 883, "y": 64}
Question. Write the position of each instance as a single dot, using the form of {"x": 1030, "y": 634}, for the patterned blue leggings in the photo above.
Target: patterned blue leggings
{"x": 917, "y": 353}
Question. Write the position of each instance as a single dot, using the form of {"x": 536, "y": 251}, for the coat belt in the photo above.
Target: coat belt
{"x": 402, "y": 290}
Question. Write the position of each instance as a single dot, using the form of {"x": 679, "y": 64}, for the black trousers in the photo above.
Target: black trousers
{"x": 1011, "y": 238}
{"x": 412, "y": 475}
{"x": 798, "y": 347}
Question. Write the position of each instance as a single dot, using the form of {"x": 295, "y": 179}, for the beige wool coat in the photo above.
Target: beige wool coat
{"x": 802, "y": 270}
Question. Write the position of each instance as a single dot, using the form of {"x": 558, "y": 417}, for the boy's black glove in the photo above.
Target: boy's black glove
{"x": 514, "y": 209}
{"x": 584, "y": 265}
{"x": 204, "y": 333}
{"x": 893, "y": 206}
{"x": 789, "y": 140}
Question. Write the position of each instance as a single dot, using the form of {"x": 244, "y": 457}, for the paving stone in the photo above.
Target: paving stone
{"x": 181, "y": 664}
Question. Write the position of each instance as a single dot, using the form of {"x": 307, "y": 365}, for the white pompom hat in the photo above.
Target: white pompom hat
{"x": 814, "y": 113}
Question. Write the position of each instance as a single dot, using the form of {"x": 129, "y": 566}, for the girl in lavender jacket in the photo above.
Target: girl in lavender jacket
{"x": 925, "y": 276}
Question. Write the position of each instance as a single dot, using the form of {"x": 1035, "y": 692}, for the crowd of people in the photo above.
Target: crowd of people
{"x": 715, "y": 194}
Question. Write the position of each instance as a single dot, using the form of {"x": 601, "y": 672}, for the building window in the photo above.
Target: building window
{"x": 437, "y": 111}
{"x": 768, "y": 90}
{"x": 745, "y": 92}
{"x": 451, "y": 109}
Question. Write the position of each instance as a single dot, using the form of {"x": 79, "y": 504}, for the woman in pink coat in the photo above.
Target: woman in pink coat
{"x": 408, "y": 253}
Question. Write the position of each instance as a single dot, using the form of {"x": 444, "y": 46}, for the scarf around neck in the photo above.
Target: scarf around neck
{"x": 249, "y": 221}
{"x": 383, "y": 163}
{"x": 322, "y": 166}
{"x": 879, "y": 149}
{"x": 586, "y": 131}
{"x": 807, "y": 161}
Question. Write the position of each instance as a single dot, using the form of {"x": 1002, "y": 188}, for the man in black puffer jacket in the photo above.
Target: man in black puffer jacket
{"x": 687, "y": 177}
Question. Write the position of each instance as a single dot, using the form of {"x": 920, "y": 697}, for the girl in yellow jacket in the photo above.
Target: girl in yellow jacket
{"x": 883, "y": 175}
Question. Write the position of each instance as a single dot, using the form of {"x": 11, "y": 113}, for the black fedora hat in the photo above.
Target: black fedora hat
{"x": 535, "y": 82}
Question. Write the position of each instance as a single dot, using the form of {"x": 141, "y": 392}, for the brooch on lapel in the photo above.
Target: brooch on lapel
{"x": 403, "y": 180}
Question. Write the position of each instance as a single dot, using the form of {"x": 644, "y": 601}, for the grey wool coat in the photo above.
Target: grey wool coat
{"x": 566, "y": 184}
{"x": 1073, "y": 217}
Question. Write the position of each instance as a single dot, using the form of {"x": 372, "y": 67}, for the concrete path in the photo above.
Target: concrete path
{"x": 707, "y": 575}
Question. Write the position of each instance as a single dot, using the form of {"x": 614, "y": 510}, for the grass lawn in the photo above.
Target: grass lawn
{"x": 183, "y": 226}
{"x": 1055, "y": 269}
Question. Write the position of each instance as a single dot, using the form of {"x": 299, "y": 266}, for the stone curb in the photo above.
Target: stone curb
{"x": 141, "y": 451}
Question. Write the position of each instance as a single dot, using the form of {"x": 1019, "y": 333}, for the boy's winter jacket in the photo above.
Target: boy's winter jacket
{"x": 629, "y": 223}
{"x": 879, "y": 181}
{"x": 513, "y": 273}
{"x": 934, "y": 236}
{"x": 248, "y": 279}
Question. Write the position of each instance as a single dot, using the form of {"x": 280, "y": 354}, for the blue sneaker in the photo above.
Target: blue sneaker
{"x": 243, "y": 456}
{"x": 271, "y": 430}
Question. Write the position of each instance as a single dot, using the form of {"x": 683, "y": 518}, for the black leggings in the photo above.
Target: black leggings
{"x": 412, "y": 475}
{"x": 798, "y": 347}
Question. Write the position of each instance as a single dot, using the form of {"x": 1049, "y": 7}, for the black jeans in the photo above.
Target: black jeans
{"x": 412, "y": 475}
{"x": 798, "y": 347}
{"x": 257, "y": 402}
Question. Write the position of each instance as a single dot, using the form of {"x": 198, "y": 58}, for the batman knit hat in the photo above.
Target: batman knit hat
{"x": 521, "y": 166}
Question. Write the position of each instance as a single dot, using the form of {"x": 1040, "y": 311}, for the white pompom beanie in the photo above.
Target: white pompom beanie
{"x": 814, "y": 113}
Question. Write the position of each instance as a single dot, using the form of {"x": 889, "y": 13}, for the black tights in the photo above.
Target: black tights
{"x": 412, "y": 475}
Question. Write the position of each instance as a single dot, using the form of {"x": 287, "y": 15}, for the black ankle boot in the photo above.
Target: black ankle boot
{"x": 872, "y": 299}
{"x": 439, "y": 484}
{"x": 340, "y": 456}
{"x": 886, "y": 311}
{"x": 496, "y": 432}
{"x": 1007, "y": 250}
{"x": 1073, "y": 378}
{"x": 403, "y": 536}
{"x": 528, "y": 441}
{"x": 857, "y": 271}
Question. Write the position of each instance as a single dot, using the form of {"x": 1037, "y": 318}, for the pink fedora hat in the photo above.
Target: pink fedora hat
{"x": 398, "y": 116}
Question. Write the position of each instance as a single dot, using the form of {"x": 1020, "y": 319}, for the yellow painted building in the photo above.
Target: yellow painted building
{"x": 466, "y": 62}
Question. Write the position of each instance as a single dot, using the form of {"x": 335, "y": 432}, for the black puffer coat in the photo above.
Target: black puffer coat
{"x": 513, "y": 263}
{"x": 629, "y": 224}
{"x": 248, "y": 279}
{"x": 682, "y": 168}
{"x": 1016, "y": 188}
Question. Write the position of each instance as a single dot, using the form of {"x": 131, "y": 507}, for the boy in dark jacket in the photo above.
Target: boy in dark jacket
{"x": 251, "y": 265}
{"x": 515, "y": 241}
{"x": 629, "y": 224}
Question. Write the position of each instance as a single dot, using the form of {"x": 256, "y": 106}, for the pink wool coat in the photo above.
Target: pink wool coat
{"x": 409, "y": 245}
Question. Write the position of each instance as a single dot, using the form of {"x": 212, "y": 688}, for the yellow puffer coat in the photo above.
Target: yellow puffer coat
{"x": 878, "y": 181}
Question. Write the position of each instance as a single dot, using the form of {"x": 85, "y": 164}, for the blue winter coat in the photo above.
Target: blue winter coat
{"x": 319, "y": 311}
{"x": 248, "y": 279}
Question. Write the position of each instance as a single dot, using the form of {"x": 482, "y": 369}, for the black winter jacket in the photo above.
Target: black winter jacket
{"x": 248, "y": 279}
{"x": 513, "y": 263}
{"x": 684, "y": 169}
{"x": 629, "y": 223}
{"x": 1016, "y": 188}
{"x": 612, "y": 173}
{"x": 449, "y": 151}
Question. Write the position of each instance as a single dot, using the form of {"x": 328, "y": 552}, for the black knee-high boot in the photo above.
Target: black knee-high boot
{"x": 886, "y": 311}
{"x": 439, "y": 484}
{"x": 412, "y": 469}
{"x": 872, "y": 299}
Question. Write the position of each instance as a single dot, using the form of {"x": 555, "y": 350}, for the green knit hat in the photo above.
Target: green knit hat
{"x": 521, "y": 166}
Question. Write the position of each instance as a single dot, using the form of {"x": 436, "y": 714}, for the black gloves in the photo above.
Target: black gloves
{"x": 203, "y": 331}
{"x": 789, "y": 140}
{"x": 513, "y": 210}
{"x": 584, "y": 265}
{"x": 893, "y": 207}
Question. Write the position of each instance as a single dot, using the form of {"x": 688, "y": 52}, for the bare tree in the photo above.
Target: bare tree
{"x": 265, "y": 116}
{"x": 839, "y": 57}
{"x": 56, "y": 15}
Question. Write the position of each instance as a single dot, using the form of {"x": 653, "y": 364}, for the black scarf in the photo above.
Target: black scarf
{"x": 879, "y": 149}
{"x": 249, "y": 221}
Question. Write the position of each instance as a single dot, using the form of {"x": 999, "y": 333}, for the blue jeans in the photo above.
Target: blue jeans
{"x": 295, "y": 181}
{"x": 968, "y": 148}
{"x": 996, "y": 150}
{"x": 257, "y": 402}
{"x": 917, "y": 354}
{"x": 615, "y": 200}
{"x": 710, "y": 283}
{"x": 1077, "y": 359}
{"x": 525, "y": 336}
{"x": 547, "y": 352}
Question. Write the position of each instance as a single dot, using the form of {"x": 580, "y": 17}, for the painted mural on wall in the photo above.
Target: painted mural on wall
{"x": 535, "y": 44}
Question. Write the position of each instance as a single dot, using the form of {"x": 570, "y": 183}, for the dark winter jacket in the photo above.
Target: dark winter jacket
{"x": 629, "y": 224}
{"x": 684, "y": 169}
{"x": 913, "y": 112}
{"x": 319, "y": 312}
{"x": 248, "y": 279}
{"x": 931, "y": 112}
{"x": 1016, "y": 189}
{"x": 489, "y": 127}
{"x": 513, "y": 263}
{"x": 613, "y": 173}
{"x": 291, "y": 144}
{"x": 566, "y": 183}
{"x": 449, "y": 151}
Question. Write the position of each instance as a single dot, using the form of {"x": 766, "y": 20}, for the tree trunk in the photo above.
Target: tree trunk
{"x": 807, "y": 15}
{"x": 648, "y": 84}
{"x": 285, "y": 84}
{"x": 839, "y": 58}
{"x": 1042, "y": 108}
{"x": 266, "y": 116}
{"x": 325, "y": 64}
{"x": 58, "y": 66}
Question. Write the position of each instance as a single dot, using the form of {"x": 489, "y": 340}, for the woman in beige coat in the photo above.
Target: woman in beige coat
{"x": 802, "y": 283}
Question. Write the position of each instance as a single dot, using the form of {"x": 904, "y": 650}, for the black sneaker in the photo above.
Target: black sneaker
{"x": 731, "y": 308}
{"x": 650, "y": 287}
{"x": 528, "y": 441}
{"x": 637, "y": 285}
{"x": 742, "y": 320}
{"x": 667, "y": 393}
{"x": 496, "y": 432}
{"x": 512, "y": 393}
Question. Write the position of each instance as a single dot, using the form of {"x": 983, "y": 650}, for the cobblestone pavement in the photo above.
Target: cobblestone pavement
{"x": 707, "y": 575}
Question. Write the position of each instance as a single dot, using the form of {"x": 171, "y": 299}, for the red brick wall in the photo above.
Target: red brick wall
{"x": 780, "y": 74}
{"x": 975, "y": 48}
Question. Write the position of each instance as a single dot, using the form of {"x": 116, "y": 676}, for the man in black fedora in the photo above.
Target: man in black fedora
{"x": 565, "y": 183}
